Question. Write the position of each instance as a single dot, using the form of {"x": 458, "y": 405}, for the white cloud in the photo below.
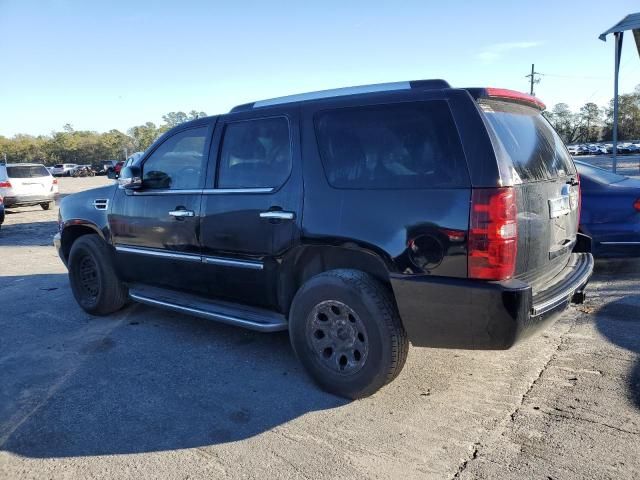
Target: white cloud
{"x": 494, "y": 52}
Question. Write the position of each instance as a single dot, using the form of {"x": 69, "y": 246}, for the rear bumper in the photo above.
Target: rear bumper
{"x": 27, "y": 200}
{"x": 460, "y": 313}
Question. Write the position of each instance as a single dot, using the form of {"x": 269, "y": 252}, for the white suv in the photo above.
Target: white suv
{"x": 63, "y": 169}
{"x": 25, "y": 184}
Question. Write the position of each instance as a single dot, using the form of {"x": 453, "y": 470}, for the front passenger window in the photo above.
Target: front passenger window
{"x": 179, "y": 163}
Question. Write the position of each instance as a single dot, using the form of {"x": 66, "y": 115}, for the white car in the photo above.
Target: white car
{"x": 63, "y": 169}
{"x": 25, "y": 184}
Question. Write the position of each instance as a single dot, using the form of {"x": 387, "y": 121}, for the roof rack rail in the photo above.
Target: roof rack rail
{"x": 435, "y": 84}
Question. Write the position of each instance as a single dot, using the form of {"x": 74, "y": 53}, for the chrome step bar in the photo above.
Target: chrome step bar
{"x": 252, "y": 318}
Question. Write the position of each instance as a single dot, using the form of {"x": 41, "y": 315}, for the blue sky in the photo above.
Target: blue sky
{"x": 114, "y": 64}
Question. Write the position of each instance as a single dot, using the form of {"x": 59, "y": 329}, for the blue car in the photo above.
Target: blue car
{"x": 610, "y": 212}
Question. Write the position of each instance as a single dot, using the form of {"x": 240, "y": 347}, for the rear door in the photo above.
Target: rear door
{"x": 251, "y": 206}
{"x": 30, "y": 180}
{"x": 546, "y": 185}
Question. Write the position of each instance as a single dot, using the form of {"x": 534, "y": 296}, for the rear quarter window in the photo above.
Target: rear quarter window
{"x": 535, "y": 149}
{"x": 394, "y": 146}
{"x": 27, "y": 171}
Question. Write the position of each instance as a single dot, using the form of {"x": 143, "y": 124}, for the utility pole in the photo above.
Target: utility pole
{"x": 532, "y": 78}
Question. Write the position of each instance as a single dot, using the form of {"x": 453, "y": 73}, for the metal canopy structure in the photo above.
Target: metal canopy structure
{"x": 630, "y": 22}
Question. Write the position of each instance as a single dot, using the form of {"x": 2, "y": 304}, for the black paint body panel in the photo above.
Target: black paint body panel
{"x": 414, "y": 240}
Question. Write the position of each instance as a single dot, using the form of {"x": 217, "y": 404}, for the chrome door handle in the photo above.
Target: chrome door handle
{"x": 181, "y": 213}
{"x": 278, "y": 214}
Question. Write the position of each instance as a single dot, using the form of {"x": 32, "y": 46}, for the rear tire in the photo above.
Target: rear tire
{"x": 346, "y": 331}
{"x": 45, "y": 205}
{"x": 94, "y": 282}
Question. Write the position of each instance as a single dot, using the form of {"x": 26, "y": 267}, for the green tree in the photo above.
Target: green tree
{"x": 83, "y": 146}
{"x": 194, "y": 114}
{"x": 628, "y": 116}
{"x": 565, "y": 122}
{"x": 591, "y": 122}
{"x": 173, "y": 119}
{"x": 143, "y": 135}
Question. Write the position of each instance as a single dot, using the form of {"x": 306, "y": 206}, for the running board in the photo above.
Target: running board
{"x": 253, "y": 318}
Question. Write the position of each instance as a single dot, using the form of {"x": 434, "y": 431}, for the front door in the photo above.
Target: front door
{"x": 251, "y": 206}
{"x": 155, "y": 228}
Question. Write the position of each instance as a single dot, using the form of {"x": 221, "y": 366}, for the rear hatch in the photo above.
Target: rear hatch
{"x": 546, "y": 184}
{"x": 29, "y": 180}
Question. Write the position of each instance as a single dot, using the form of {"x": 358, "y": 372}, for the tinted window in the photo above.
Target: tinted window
{"x": 599, "y": 175}
{"x": 408, "y": 145}
{"x": 27, "y": 171}
{"x": 178, "y": 163}
{"x": 255, "y": 153}
{"x": 536, "y": 150}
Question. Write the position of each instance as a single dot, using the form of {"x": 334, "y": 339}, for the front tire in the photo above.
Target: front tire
{"x": 94, "y": 282}
{"x": 346, "y": 331}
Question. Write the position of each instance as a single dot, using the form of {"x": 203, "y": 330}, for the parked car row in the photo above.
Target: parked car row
{"x": 604, "y": 148}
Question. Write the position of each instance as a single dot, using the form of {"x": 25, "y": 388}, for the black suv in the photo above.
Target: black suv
{"x": 358, "y": 219}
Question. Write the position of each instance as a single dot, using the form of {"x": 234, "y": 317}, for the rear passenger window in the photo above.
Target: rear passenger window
{"x": 406, "y": 145}
{"x": 255, "y": 154}
{"x": 27, "y": 171}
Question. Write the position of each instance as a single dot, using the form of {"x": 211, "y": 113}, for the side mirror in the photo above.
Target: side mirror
{"x": 111, "y": 173}
{"x": 130, "y": 178}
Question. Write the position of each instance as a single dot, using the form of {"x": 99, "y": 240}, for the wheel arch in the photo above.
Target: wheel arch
{"x": 73, "y": 231}
{"x": 306, "y": 261}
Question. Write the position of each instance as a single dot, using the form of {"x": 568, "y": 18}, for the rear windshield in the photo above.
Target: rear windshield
{"x": 597, "y": 174}
{"x": 406, "y": 145}
{"x": 59, "y": 165}
{"x": 536, "y": 150}
{"x": 27, "y": 171}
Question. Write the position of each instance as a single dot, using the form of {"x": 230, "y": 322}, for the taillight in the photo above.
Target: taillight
{"x": 5, "y": 184}
{"x": 55, "y": 181}
{"x": 636, "y": 204}
{"x": 493, "y": 234}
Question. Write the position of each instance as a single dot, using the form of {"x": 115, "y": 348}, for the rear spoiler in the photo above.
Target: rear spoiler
{"x": 508, "y": 95}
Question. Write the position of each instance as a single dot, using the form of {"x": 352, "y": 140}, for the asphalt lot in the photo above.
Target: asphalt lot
{"x": 151, "y": 394}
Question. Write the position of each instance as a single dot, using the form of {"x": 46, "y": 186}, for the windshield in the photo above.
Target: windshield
{"x": 597, "y": 174}
{"x": 536, "y": 150}
{"x": 27, "y": 171}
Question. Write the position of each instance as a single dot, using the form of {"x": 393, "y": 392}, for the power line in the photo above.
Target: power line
{"x": 579, "y": 77}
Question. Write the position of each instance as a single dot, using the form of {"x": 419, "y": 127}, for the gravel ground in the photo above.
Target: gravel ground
{"x": 152, "y": 394}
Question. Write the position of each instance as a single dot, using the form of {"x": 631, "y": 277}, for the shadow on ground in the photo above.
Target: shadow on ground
{"x": 141, "y": 380}
{"x": 619, "y": 320}
{"x": 28, "y": 234}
